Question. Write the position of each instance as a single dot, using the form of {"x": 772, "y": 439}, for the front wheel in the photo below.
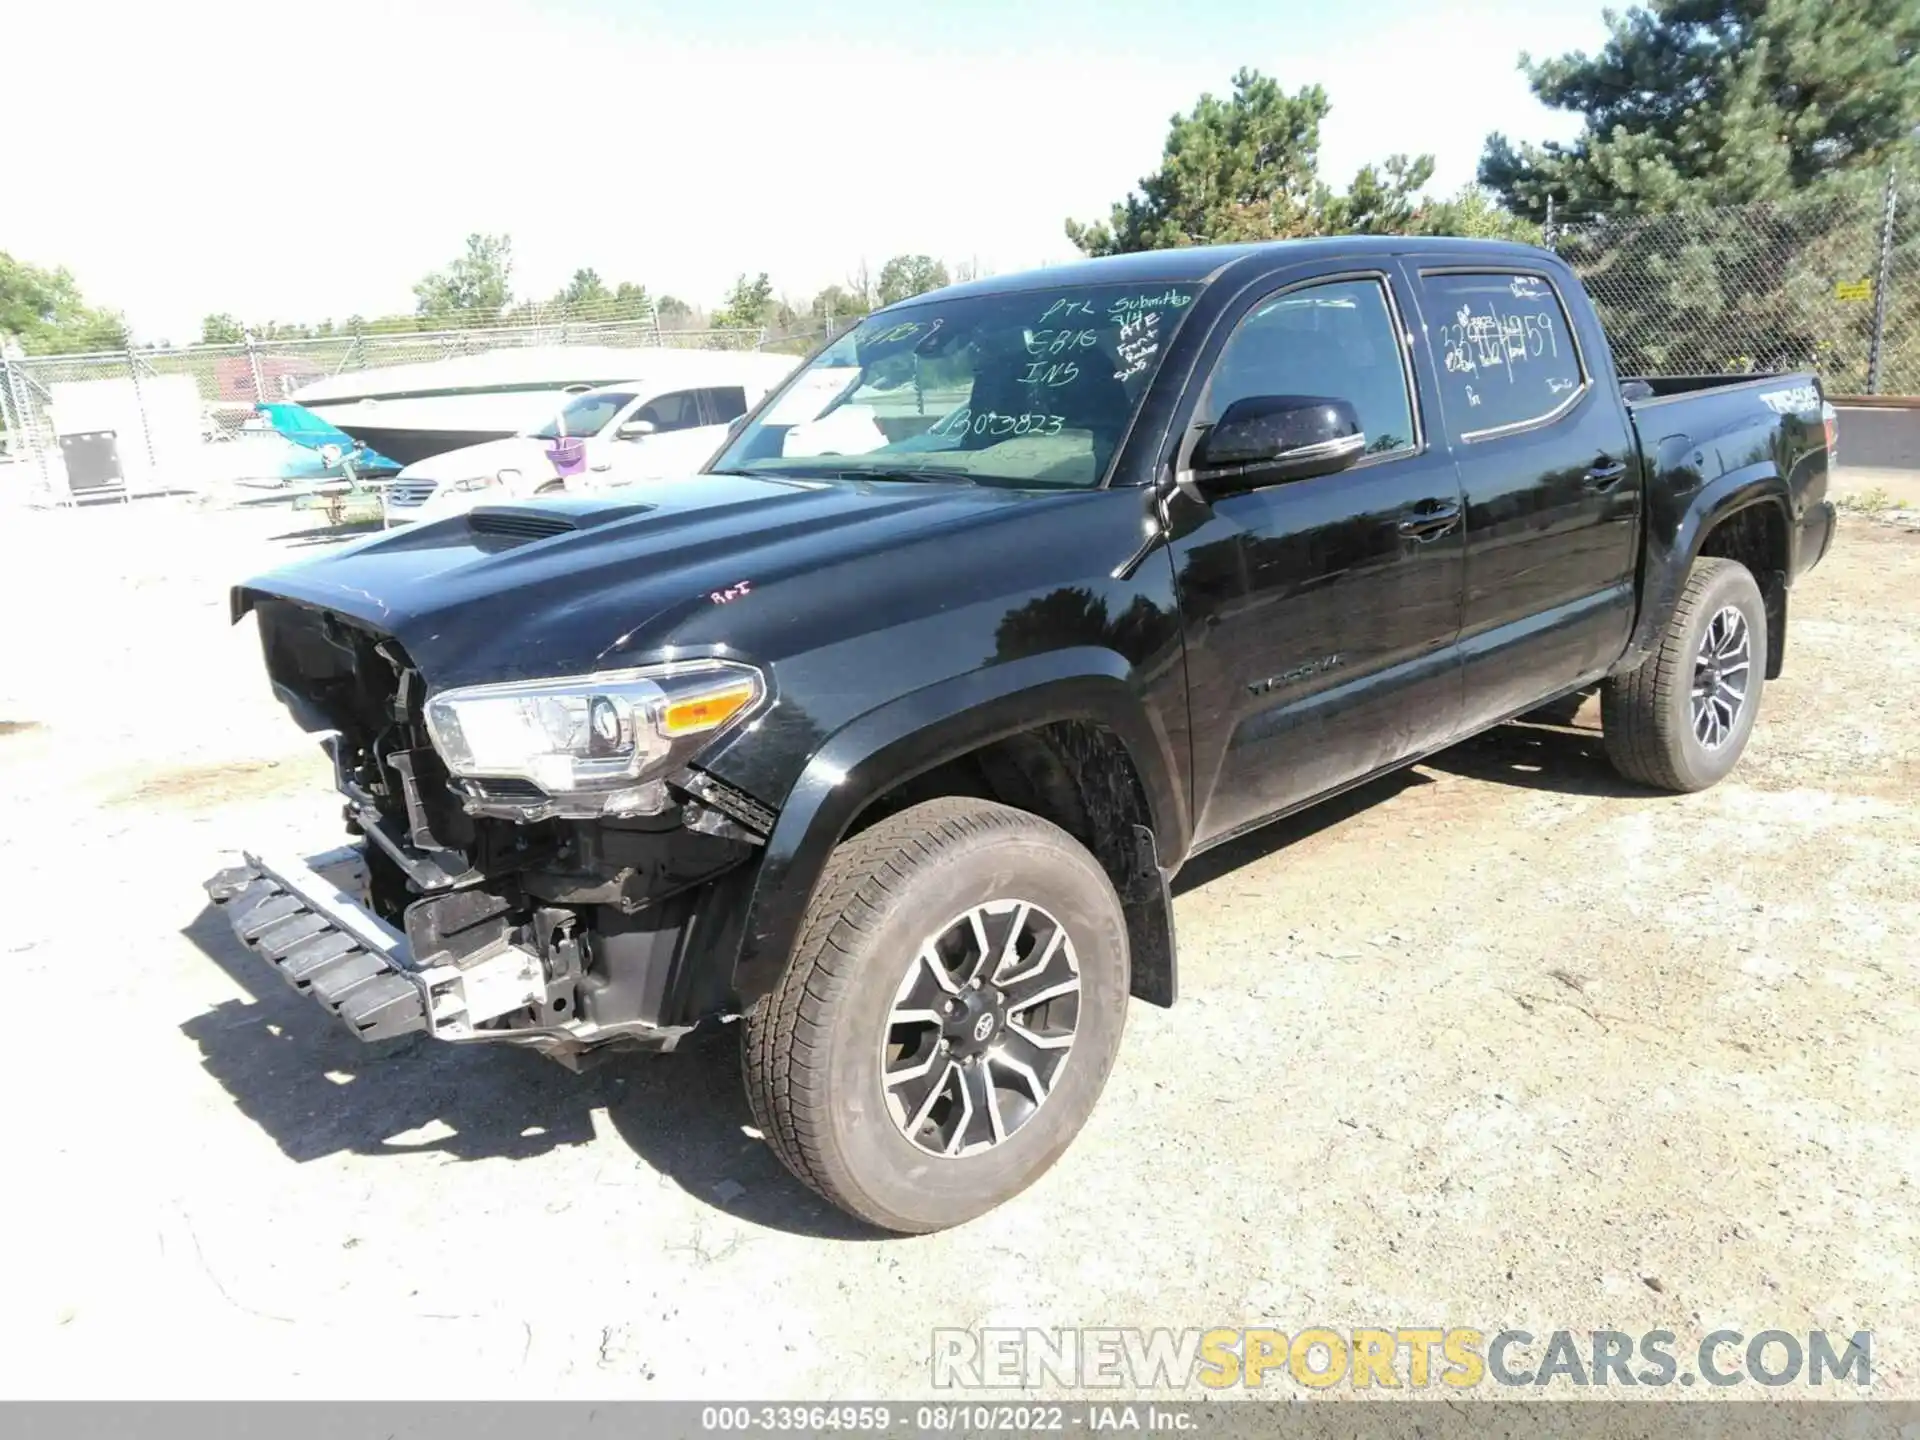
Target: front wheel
{"x": 1681, "y": 720}
{"x": 948, "y": 1018}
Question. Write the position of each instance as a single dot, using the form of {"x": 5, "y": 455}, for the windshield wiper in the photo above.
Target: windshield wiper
{"x": 808, "y": 472}
{"x": 915, "y": 473}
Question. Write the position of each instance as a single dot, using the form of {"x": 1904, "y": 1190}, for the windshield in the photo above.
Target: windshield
{"x": 1030, "y": 388}
{"x": 584, "y": 415}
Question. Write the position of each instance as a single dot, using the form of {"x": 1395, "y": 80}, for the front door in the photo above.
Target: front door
{"x": 1549, "y": 469}
{"x": 1321, "y": 614}
{"x": 679, "y": 442}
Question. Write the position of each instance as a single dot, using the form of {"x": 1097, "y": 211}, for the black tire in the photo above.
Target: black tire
{"x": 1648, "y": 713}
{"x": 815, "y": 1049}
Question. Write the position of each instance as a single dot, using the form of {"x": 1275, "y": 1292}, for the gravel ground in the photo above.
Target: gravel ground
{"x": 1497, "y": 1041}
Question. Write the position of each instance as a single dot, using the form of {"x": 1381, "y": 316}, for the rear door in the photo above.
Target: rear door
{"x": 1550, "y": 475}
{"x": 1320, "y": 614}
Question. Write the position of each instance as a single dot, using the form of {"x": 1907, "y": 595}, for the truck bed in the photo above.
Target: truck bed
{"x": 1643, "y": 388}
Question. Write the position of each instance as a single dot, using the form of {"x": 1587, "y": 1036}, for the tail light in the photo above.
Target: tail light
{"x": 1831, "y": 418}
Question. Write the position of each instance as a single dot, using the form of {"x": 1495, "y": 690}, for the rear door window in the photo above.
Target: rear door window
{"x": 725, "y": 403}
{"x": 677, "y": 411}
{"x": 1504, "y": 350}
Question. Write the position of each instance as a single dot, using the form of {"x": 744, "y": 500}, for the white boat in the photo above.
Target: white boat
{"x": 409, "y": 412}
{"x": 665, "y": 419}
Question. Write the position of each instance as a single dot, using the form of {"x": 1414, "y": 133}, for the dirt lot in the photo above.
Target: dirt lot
{"x": 1499, "y": 1041}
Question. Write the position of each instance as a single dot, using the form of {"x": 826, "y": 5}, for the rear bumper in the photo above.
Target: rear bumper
{"x": 330, "y": 947}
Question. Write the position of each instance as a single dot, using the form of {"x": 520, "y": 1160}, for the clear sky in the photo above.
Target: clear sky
{"x": 297, "y": 162}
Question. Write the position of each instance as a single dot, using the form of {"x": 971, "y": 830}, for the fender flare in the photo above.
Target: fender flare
{"x": 913, "y": 734}
{"x": 1670, "y": 555}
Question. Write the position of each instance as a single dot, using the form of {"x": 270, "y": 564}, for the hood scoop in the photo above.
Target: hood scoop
{"x": 559, "y": 518}
{"x": 518, "y": 524}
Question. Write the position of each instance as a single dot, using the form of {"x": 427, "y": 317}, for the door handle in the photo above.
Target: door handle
{"x": 1606, "y": 474}
{"x": 1429, "y": 520}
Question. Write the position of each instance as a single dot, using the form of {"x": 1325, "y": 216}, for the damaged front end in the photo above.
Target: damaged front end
{"x": 540, "y": 865}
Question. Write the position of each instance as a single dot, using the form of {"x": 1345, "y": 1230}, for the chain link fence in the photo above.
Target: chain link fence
{"x": 187, "y": 417}
{"x": 1830, "y": 284}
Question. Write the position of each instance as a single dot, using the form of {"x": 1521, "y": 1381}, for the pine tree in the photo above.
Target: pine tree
{"x": 1734, "y": 155}
{"x": 1242, "y": 168}
{"x": 1719, "y": 102}
{"x": 1247, "y": 168}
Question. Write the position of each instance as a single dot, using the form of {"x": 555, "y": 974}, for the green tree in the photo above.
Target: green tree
{"x": 1473, "y": 212}
{"x": 905, "y": 276}
{"x": 291, "y": 330}
{"x": 1718, "y": 102}
{"x": 1247, "y": 168}
{"x": 1383, "y": 199}
{"x": 1727, "y": 174}
{"x": 46, "y": 312}
{"x": 585, "y": 288}
{"x": 835, "y": 304}
{"x": 474, "y": 288}
{"x": 1242, "y": 168}
{"x": 748, "y": 306}
{"x": 671, "y": 307}
{"x": 632, "y": 299}
{"x": 221, "y": 329}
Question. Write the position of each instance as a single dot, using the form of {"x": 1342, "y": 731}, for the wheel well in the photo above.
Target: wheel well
{"x": 1756, "y": 537}
{"x": 1079, "y": 775}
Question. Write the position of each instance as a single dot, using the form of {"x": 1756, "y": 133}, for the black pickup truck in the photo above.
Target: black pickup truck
{"x": 885, "y": 734}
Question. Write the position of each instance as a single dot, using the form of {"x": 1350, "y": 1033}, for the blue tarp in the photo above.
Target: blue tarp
{"x": 309, "y": 431}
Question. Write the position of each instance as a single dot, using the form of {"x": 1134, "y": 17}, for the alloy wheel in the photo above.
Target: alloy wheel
{"x": 1722, "y": 669}
{"x": 981, "y": 1027}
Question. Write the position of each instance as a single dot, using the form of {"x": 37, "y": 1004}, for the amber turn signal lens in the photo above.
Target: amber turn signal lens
{"x": 705, "y": 712}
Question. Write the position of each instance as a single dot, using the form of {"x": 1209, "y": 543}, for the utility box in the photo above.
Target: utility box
{"x": 157, "y": 421}
{"x": 92, "y": 460}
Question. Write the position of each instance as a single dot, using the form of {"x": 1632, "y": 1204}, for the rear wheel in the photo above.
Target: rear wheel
{"x": 949, "y": 1016}
{"x": 1681, "y": 720}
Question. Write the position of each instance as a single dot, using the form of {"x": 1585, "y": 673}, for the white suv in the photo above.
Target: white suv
{"x": 614, "y": 435}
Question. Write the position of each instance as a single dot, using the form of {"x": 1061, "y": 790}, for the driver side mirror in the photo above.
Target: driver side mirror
{"x": 635, "y": 430}
{"x": 1269, "y": 439}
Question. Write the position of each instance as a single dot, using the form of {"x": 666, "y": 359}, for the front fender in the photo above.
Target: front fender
{"x": 913, "y": 734}
{"x": 1683, "y": 509}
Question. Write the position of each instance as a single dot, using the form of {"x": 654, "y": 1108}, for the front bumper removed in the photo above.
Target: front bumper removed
{"x": 324, "y": 942}
{"x": 328, "y": 945}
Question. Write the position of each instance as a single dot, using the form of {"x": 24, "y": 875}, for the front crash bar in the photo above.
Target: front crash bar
{"x": 328, "y": 945}
{"x": 324, "y": 943}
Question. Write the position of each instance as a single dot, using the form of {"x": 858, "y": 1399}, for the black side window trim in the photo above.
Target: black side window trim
{"x": 1566, "y": 406}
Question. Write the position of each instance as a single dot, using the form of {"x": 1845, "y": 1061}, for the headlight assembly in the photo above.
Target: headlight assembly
{"x": 475, "y": 482}
{"x": 594, "y": 744}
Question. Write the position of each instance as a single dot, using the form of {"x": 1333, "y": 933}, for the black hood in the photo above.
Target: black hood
{"x": 571, "y": 585}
